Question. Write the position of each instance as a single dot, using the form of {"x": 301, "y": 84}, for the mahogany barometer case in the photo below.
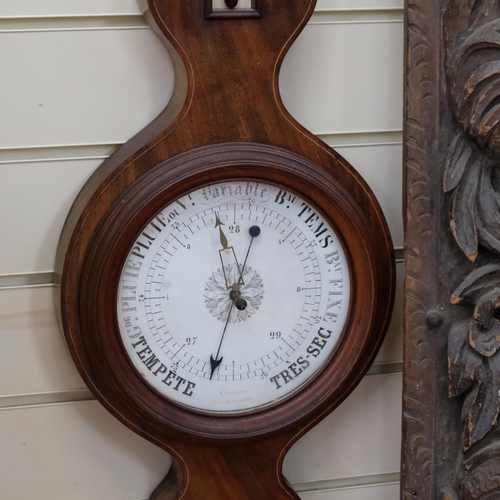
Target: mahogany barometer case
{"x": 226, "y": 278}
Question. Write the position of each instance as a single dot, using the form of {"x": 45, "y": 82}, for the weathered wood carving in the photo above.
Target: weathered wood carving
{"x": 451, "y": 447}
{"x": 473, "y": 68}
{"x": 470, "y": 180}
{"x": 474, "y": 365}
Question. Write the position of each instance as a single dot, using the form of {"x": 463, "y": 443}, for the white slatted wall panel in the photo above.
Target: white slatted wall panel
{"x": 68, "y": 99}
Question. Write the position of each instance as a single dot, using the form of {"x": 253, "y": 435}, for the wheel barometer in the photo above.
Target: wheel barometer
{"x": 226, "y": 278}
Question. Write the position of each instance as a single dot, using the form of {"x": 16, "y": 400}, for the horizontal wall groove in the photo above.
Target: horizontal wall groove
{"x": 71, "y": 23}
{"x": 30, "y": 154}
{"x": 363, "y": 138}
{"x": 347, "y": 482}
{"x": 26, "y": 280}
{"x": 357, "y": 16}
{"x": 12, "y": 24}
{"x": 399, "y": 254}
{"x": 385, "y": 369}
{"x": 44, "y": 399}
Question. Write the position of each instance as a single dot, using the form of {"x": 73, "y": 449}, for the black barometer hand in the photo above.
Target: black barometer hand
{"x": 214, "y": 363}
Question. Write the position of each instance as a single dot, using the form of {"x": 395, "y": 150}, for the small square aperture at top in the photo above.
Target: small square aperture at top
{"x": 232, "y": 9}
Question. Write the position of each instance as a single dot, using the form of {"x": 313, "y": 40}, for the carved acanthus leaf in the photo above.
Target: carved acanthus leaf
{"x": 473, "y": 67}
{"x": 479, "y": 378}
{"x": 457, "y": 160}
{"x": 488, "y": 211}
{"x": 481, "y": 474}
{"x": 474, "y": 353}
{"x": 464, "y": 209}
{"x": 481, "y": 289}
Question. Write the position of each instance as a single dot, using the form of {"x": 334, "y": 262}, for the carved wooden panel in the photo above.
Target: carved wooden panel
{"x": 451, "y": 446}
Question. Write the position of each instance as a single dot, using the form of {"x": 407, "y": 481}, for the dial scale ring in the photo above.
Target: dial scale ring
{"x": 173, "y": 238}
{"x": 169, "y": 182}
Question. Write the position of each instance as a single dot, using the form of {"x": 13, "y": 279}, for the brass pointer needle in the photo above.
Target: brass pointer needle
{"x": 223, "y": 239}
{"x": 225, "y": 246}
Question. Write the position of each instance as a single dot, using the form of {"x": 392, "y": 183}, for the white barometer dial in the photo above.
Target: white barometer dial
{"x": 233, "y": 297}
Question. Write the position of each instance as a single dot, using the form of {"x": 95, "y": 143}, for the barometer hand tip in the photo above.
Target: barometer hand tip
{"x": 214, "y": 364}
{"x": 222, "y": 236}
{"x": 218, "y": 222}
